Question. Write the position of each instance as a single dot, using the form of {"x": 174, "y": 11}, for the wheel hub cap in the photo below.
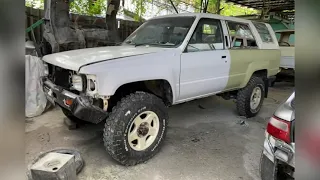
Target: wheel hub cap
{"x": 143, "y": 130}
{"x": 255, "y": 98}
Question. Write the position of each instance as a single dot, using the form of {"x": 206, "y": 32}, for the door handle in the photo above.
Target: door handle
{"x": 224, "y": 57}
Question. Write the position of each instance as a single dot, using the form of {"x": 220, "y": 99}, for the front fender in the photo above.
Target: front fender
{"x": 112, "y": 74}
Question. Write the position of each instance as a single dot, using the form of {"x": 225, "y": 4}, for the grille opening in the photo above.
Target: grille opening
{"x": 60, "y": 76}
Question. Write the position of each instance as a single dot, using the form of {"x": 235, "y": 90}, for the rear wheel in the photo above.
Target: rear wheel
{"x": 250, "y": 98}
{"x": 136, "y": 128}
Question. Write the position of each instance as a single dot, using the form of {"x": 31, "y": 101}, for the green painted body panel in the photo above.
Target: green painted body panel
{"x": 244, "y": 62}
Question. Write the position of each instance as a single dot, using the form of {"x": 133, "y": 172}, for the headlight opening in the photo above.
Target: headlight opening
{"x": 79, "y": 82}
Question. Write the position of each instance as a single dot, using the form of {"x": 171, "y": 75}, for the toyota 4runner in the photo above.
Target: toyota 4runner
{"x": 168, "y": 60}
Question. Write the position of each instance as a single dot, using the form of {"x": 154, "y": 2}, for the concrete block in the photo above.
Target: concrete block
{"x": 54, "y": 166}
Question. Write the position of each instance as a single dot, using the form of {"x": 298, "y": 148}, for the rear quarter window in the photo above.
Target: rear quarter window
{"x": 263, "y": 32}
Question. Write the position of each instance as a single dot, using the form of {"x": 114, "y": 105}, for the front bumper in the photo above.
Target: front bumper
{"x": 277, "y": 150}
{"x": 80, "y": 106}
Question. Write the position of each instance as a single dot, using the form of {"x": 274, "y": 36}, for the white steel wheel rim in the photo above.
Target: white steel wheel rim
{"x": 143, "y": 130}
{"x": 255, "y": 98}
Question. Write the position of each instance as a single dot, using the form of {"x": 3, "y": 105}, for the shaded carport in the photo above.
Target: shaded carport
{"x": 283, "y": 7}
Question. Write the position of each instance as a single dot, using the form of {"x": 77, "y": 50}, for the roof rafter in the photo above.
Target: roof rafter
{"x": 279, "y": 5}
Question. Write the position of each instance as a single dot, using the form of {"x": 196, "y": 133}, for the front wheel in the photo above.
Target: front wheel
{"x": 136, "y": 128}
{"x": 250, "y": 98}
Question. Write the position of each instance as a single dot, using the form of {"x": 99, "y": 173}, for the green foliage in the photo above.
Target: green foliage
{"x": 140, "y": 8}
{"x": 98, "y": 7}
{"x": 230, "y": 9}
{"x": 37, "y": 4}
{"x": 88, "y": 7}
{"x": 212, "y": 6}
{"x": 85, "y": 7}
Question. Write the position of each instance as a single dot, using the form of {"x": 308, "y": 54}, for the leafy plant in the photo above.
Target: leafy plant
{"x": 140, "y": 8}
{"x": 98, "y": 7}
{"x": 37, "y": 4}
{"x": 88, "y": 7}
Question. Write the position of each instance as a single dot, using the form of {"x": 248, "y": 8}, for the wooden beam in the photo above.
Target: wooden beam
{"x": 206, "y": 2}
{"x": 264, "y": 10}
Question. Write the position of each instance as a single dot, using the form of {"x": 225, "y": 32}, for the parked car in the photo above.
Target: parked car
{"x": 287, "y": 62}
{"x": 286, "y": 48}
{"x": 168, "y": 60}
{"x": 278, "y": 155}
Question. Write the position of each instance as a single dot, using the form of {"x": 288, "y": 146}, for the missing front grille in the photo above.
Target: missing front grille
{"x": 60, "y": 76}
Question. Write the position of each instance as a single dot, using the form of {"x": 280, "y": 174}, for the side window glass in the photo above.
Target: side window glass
{"x": 291, "y": 39}
{"x": 263, "y": 32}
{"x": 241, "y": 35}
{"x": 207, "y": 36}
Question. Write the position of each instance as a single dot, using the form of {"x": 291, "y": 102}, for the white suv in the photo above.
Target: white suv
{"x": 168, "y": 60}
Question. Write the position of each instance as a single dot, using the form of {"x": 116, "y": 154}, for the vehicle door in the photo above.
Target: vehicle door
{"x": 244, "y": 52}
{"x": 205, "y": 62}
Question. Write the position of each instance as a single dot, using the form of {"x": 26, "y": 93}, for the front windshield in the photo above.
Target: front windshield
{"x": 164, "y": 32}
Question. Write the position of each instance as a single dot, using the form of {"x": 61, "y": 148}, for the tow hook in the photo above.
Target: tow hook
{"x": 105, "y": 102}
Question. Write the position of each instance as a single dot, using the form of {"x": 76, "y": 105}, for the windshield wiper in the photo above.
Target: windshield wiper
{"x": 142, "y": 44}
{"x": 136, "y": 44}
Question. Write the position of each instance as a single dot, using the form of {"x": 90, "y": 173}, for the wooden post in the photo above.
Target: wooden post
{"x": 265, "y": 10}
{"x": 111, "y": 20}
{"x": 218, "y": 3}
{"x": 37, "y": 31}
{"x": 205, "y": 6}
{"x": 31, "y": 22}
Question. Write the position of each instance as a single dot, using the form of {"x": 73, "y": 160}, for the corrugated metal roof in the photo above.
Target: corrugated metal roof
{"x": 273, "y": 5}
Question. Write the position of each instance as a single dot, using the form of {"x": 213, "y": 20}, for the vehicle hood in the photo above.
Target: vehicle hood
{"x": 75, "y": 59}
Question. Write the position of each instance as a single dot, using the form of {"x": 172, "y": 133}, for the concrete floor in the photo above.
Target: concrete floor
{"x": 205, "y": 140}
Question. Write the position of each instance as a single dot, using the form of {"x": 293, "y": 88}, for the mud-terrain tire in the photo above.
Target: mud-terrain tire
{"x": 127, "y": 119}
{"x": 248, "y": 94}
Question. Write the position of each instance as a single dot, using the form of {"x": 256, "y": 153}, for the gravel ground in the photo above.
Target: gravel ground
{"x": 206, "y": 140}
